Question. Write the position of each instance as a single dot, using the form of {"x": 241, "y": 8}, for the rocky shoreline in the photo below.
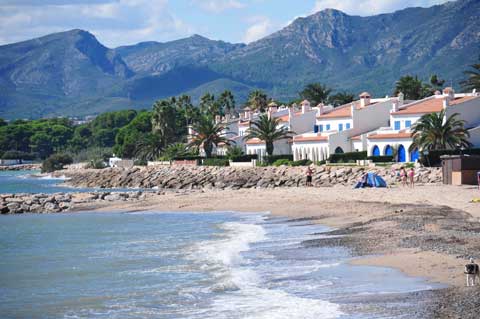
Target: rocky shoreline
{"x": 62, "y": 202}
{"x": 20, "y": 167}
{"x": 198, "y": 177}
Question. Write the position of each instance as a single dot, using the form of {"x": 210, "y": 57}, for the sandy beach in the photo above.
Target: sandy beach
{"x": 422, "y": 231}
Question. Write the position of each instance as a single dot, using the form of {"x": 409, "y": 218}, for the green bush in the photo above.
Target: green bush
{"x": 56, "y": 162}
{"x": 245, "y": 158}
{"x": 433, "y": 157}
{"x": 381, "y": 159}
{"x": 96, "y": 163}
{"x": 215, "y": 162}
{"x": 347, "y": 157}
{"x": 320, "y": 163}
{"x": 140, "y": 162}
{"x": 12, "y": 155}
{"x": 304, "y": 162}
{"x": 273, "y": 158}
{"x": 281, "y": 162}
{"x": 90, "y": 153}
{"x": 234, "y": 152}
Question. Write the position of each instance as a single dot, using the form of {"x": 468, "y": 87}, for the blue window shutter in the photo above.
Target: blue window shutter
{"x": 328, "y": 127}
{"x": 397, "y": 125}
{"x": 348, "y": 125}
{"x": 408, "y": 123}
{"x": 340, "y": 127}
{"x": 320, "y": 128}
{"x": 315, "y": 129}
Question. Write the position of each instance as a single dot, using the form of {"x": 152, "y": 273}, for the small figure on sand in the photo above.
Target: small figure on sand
{"x": 309, "y": 174}
{"x": 411, "y": 177}
{"x": 403, "y": 176}
{"x": 472, "y": 272}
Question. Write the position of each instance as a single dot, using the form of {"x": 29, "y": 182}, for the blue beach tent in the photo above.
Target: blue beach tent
{"x": 371, "y": 180}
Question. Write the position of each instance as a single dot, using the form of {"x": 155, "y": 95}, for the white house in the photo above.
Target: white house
{"x": 398, "y": 134}
{"x": 337, "y": 130}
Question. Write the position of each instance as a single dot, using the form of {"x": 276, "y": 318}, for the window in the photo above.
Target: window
{"x": 320, "y": 128}
{"x": 347, "y": 126}
{"x": 340, "y": 127}
{"x": 408, "y": 123}
{"x": 327, "y": 127}
{"x": 397, "y": 125}
{"x": 315, "y": 129}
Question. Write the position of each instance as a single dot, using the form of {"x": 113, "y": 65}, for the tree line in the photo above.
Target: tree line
{"x": 162, "y": 131}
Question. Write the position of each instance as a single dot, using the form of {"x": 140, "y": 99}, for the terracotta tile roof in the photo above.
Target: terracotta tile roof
{"x": 254, "y": 141}
{"x": 377, "y": 136}
{"x": 430, "y": 106}
{"x": 301, "y": 138}
{"x": 343, "y": 111}
{"x": 246, "y": 123}
{"x": 283, "y": 118}
{"x": 356, "y": 138}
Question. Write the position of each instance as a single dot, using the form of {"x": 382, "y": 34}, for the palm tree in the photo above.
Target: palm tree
{"x": 257, "y": 100}
{"x": 341, "y": 98}
{"x": 430, "y": 132}
{"x": 316, "y": 93}
{"x": 473, "y": 80}
{"x": 227, "y": 102}
{"x": 267, "y": 129}
{"x": 163, "y": 120}
{"x": 174, "y": 150}
{"x": 233, "y": 152}
{"x": 207, "y": 133}
{"x": 412, "y": 87}
{"x": 149, "y": 148}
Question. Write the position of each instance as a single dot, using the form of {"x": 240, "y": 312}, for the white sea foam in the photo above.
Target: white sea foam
{"x": 241, "y": 291}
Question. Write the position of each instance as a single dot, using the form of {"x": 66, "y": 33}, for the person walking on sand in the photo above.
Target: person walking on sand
{"x": 403, "y": 176}
{"x": 411, "y": 177}
{"x": 472, "y": 272}
{"x": 309, "y": 174}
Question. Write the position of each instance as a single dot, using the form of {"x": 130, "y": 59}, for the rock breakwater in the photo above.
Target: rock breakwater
{"x": 188, "y": 177}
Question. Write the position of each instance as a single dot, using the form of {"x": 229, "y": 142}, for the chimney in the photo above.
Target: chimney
{"x": 247, "y": 113}
{"x": 291, "y": 112}
{"x": 449, "y": 93}
{"x": 305, "y": 106}
{"x": 272, "y": 107}
{"x": 401, "y": 99}
{"x": 319, "y": 109}
{"x": 394, "y": 107}
{"x": 364, "y": 99}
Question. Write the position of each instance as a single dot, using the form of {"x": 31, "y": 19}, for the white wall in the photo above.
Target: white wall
{"x": 469, "y": 112}
{"x": 303, "y": 123}
{"x": 282, "y": 147}
{"x": 403, "y": 118}
{"x": 334, "y": 122}
{"x": 312, "y": 150}
{"x": 475, "y": 136}
{"x": 382, "y": 144}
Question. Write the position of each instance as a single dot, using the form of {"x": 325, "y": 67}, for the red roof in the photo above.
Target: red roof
{"x": 301, "y": 138}
{"x": 342, "y": 111}
{"x": 432, "y": 105}
{"x": 377, "y": 136}
{"x": 356, "y": 138}
{"x": 254, "y": 141}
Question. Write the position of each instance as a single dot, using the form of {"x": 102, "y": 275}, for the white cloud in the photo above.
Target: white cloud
{"x": 260, "y": 27}
{"x": 114, "y": 22}
{"x": 371, "y": 7}
{"x": 218, "y": 6}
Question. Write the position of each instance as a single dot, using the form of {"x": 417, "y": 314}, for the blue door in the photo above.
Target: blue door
{"x": 401, "y": 154}
{"x": 414, "y": 155}
{"x": 376, "y": 151}
{"x": 388, "y": 150}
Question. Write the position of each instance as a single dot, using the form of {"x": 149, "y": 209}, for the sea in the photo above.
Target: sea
{"x": 155, "y": 264}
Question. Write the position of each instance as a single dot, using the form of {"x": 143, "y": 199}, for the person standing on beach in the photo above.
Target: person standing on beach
{"x": 411, "y": 177}
{"x": 472, "y": 272}
{"x": 403, "y": 176}
{"x": 309, "y": 174}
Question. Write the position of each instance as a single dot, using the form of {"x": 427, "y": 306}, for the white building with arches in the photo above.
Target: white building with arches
{"x": 396, "y": 138}
{"x": 338, "y": 130}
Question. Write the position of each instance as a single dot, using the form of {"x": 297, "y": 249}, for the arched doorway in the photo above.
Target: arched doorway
{"x": 375, "y": 151}
{"x": 388, "y": 150}
{"x": 414, "y": 155}
{"x": 339, "y": 150}
{"x": 401, "y": 154}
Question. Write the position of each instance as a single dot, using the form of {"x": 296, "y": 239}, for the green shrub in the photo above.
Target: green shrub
{"x": 96, "y": 163}
{"x": 234, "y": 152}
{"x": 273, "y": 158}
{"x": 140, "y": 162}
{"x": 347, "y": 157}
{"x": 381, "y": 159}
{"x": 56, "y": 162}
{"x": 215, "y": 162}
{"x": 245, "y": 158}
{"x": 320, "y": 163}
{"x": 12, "y": 155}
{"x": 281, "y": 162}
{"x": 303, "y": 162}
{"x": 433, "y": 157}
{"x": 86, "y": 155}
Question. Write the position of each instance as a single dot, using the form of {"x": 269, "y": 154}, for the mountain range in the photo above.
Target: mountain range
{"x": 72, "y": 74}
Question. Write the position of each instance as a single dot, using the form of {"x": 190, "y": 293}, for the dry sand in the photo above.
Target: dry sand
{"x": 342, "y": 207}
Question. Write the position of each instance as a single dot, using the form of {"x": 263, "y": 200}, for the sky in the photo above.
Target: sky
{"x": 123, "y": 22}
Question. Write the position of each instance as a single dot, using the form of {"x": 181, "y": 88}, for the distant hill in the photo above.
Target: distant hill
{"x": 71, "y": 73}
